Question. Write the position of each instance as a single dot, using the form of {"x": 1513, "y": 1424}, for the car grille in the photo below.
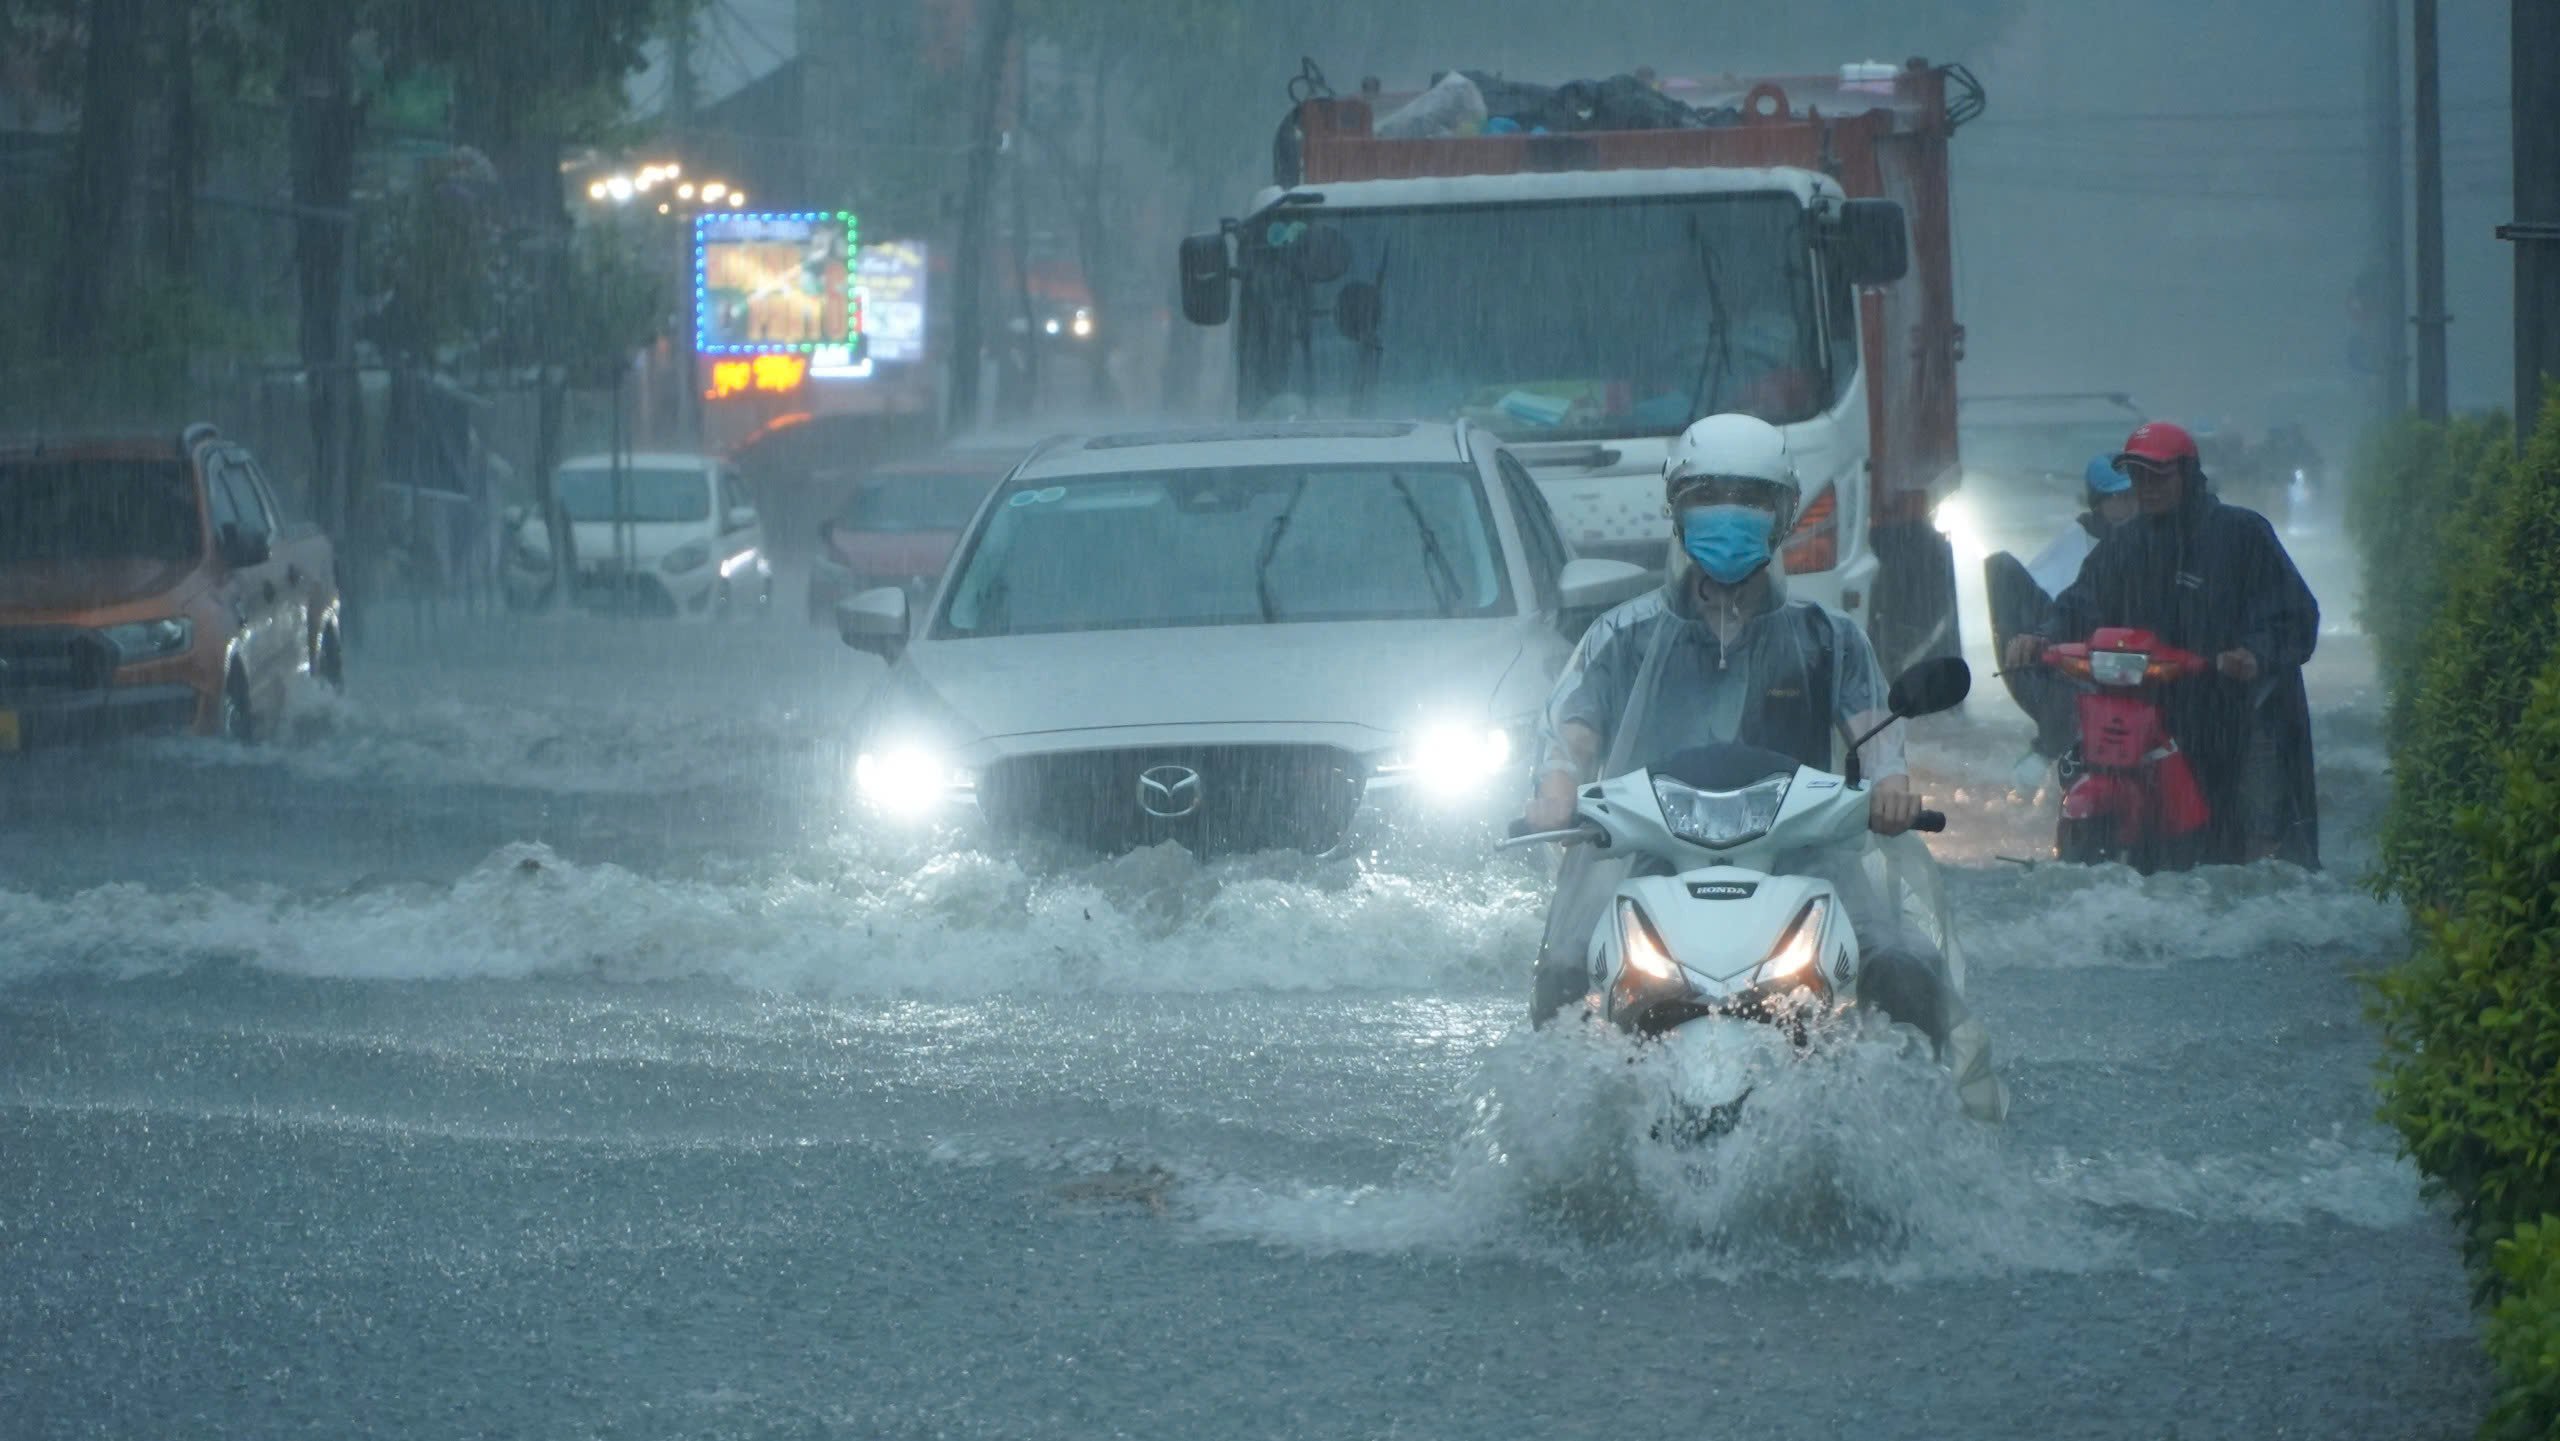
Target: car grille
{"x": 1244, "y": 798}
{"x": 52, "y": 660}
{"x": 625, "y": 592}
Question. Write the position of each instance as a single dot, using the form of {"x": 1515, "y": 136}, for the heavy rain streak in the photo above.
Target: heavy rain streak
{"x": 1167, "y": 718}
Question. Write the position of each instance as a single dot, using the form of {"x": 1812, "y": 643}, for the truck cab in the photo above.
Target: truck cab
{"x": 1587, "y": 296}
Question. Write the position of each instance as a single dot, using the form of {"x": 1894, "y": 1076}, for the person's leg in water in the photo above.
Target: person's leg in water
{"x": 1585, "y": 881}
{"x": 1900, "y": 971}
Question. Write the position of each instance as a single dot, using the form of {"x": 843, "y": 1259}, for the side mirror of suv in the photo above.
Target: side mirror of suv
{"x": 242, "y": 549}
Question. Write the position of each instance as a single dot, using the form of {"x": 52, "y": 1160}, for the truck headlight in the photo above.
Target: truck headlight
{"x": 151, "y": 639}
{"x": 693, "y": 555}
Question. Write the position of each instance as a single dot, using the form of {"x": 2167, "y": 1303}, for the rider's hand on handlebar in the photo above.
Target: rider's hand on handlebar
{"x": 2240, "y": 663}
{"x": 1891, "y": 807}
{"x": 1552, "y": 808}
{"x": 2023, "y": 651}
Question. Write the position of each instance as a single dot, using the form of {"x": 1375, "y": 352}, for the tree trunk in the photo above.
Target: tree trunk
{"x": 321, "y": 120}
{"x": 180, "y": 142}
{"x": 94, "y": 196}
{"x": 969, "y": 271}
{"x": 1092, "y": 238}
{"x": 1020, "y": 396}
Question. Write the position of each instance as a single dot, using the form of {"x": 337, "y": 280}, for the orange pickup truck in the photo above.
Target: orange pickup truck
{"x": 150, "y": 585}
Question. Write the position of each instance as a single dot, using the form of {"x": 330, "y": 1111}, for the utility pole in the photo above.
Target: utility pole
{"x": 2534, "y": 49}
{"x": 2390, "y": 218}
{"x": 2432, "y": 319}
{"x": 681, "y": 99}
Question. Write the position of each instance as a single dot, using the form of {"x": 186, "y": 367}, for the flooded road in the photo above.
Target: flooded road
{"x": 536, "y": 1042}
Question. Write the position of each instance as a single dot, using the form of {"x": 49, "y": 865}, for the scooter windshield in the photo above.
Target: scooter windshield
{"x": 1730, "y": 766}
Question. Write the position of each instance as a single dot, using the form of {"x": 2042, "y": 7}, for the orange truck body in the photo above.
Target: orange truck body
{"x": 149, "y": 585}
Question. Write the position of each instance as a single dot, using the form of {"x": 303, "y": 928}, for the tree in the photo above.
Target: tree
{"x": 97, "y": 192}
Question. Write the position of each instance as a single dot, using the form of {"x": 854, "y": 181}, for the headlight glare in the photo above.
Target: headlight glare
{"x": 150, "y": 639}
{"x": 906, "y": 780}
{"x": 1643, "y": 950}
{"x": 1455, "y": 759}
{"x": 1720, "y": 820}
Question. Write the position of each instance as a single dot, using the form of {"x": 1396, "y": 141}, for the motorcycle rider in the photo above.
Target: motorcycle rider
{"x": 1719, "y": 654}
{"x": 2020, "y": 596}
{"x": 2212, "y": 578}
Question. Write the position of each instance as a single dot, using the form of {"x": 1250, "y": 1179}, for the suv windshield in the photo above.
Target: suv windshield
{"x": 907, "y": 504}
{"x": 1244, "y": 546}
{"x": 1543, "y": 321}
{"x": 58, "y": 510}
{"x": 648, "y": 494}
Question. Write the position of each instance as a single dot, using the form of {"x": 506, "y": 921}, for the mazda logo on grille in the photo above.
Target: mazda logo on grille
{"x": 1169, "y": 792}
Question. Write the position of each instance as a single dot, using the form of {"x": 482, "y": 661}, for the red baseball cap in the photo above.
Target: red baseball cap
{"x": 2157, "y": 442}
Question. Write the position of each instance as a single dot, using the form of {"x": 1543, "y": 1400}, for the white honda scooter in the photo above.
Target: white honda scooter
{"x": 1723, "y": 938}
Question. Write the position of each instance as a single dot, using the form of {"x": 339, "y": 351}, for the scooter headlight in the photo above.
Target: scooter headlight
{"x": 2119, "y": 667}
{"x": 1642, "y": 948}
{"x": 1792, "y": 962}
{"x": 1720, "y": 820}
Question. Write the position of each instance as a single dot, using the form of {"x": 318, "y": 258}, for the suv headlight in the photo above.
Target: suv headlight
{"x": 693, "y": 555}
{"x": 1720, "y": 820}
{"x": 150, "y": 639}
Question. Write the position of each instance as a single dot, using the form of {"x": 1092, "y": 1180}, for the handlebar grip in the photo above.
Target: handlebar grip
{"x": 1932, "y": 821}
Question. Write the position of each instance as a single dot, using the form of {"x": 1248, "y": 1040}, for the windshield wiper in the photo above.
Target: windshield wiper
{"x": 1271, "y": 547}
{"x": 1719, "y": 358}
{"x": 1444, "y": 581}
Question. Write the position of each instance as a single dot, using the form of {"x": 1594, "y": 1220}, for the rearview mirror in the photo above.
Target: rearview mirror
{"x": 1930, "y": 687}
{"x": 1594, "y": 584}
{"x": 875, "y": 621}
{"x": 1869, "y": 243}
{"x": 1205, "y": 293}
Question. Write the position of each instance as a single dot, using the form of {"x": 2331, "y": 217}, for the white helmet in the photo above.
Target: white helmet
{"x": 1742, "y": 452}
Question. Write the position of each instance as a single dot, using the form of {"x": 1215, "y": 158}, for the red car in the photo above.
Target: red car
{"x": 901, "y": 524}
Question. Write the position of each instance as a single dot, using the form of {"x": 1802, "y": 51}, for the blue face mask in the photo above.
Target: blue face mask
{"x": 1729, "y": 542}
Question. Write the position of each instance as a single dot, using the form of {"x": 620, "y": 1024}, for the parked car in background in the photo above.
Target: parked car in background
{"x": 659, "y": 534}
{"x": 152, "y": 584}
{"x": 1239, "y": 638}
{"x": 900, "y": 525}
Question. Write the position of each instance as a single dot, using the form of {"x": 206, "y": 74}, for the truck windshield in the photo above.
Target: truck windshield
{"x": 1546, "y": 321}
{"x": 1253, "y": 545}
{"x": 78, "y": 510}
{"x": 647, "y": 495}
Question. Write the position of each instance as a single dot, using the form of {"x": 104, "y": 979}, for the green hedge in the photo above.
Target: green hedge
{"x": 2524, "y": 1335}
{"x": 2475, "y": 660}
{"x": 2419, "y": 498}
{"x": 2471, "y": 1061}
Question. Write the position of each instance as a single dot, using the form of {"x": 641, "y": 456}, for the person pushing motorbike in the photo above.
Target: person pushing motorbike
{"x": 2020, "y": 594}
{"x": 2211, "y": 578}
{"x": 1719, "y": 654}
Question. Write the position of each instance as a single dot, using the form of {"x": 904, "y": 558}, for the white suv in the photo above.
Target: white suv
{"x": 1235, "y": 638}
{"x": 662, "y": 534}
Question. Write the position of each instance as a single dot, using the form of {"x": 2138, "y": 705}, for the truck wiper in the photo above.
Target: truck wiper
{"x": 1444, "y": 581}
{"x": 1271, "y": 547}
{"x": 1719, "y": 358}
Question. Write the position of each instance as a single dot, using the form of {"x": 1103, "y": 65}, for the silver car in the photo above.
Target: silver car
{"x": 1237, "y": 638}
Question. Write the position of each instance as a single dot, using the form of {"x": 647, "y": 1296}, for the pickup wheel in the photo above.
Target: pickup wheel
{"x": 329, "y": 661}
{"x": 239, "y": 722}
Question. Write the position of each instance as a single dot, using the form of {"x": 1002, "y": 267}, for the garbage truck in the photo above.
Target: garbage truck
{"x": 1585, "y": 269}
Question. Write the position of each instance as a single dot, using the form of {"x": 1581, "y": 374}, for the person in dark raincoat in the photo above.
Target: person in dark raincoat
{"x": 2211, "y": 578}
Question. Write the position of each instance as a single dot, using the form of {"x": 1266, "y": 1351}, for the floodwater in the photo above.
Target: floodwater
{"x": 536, "y": 1042}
